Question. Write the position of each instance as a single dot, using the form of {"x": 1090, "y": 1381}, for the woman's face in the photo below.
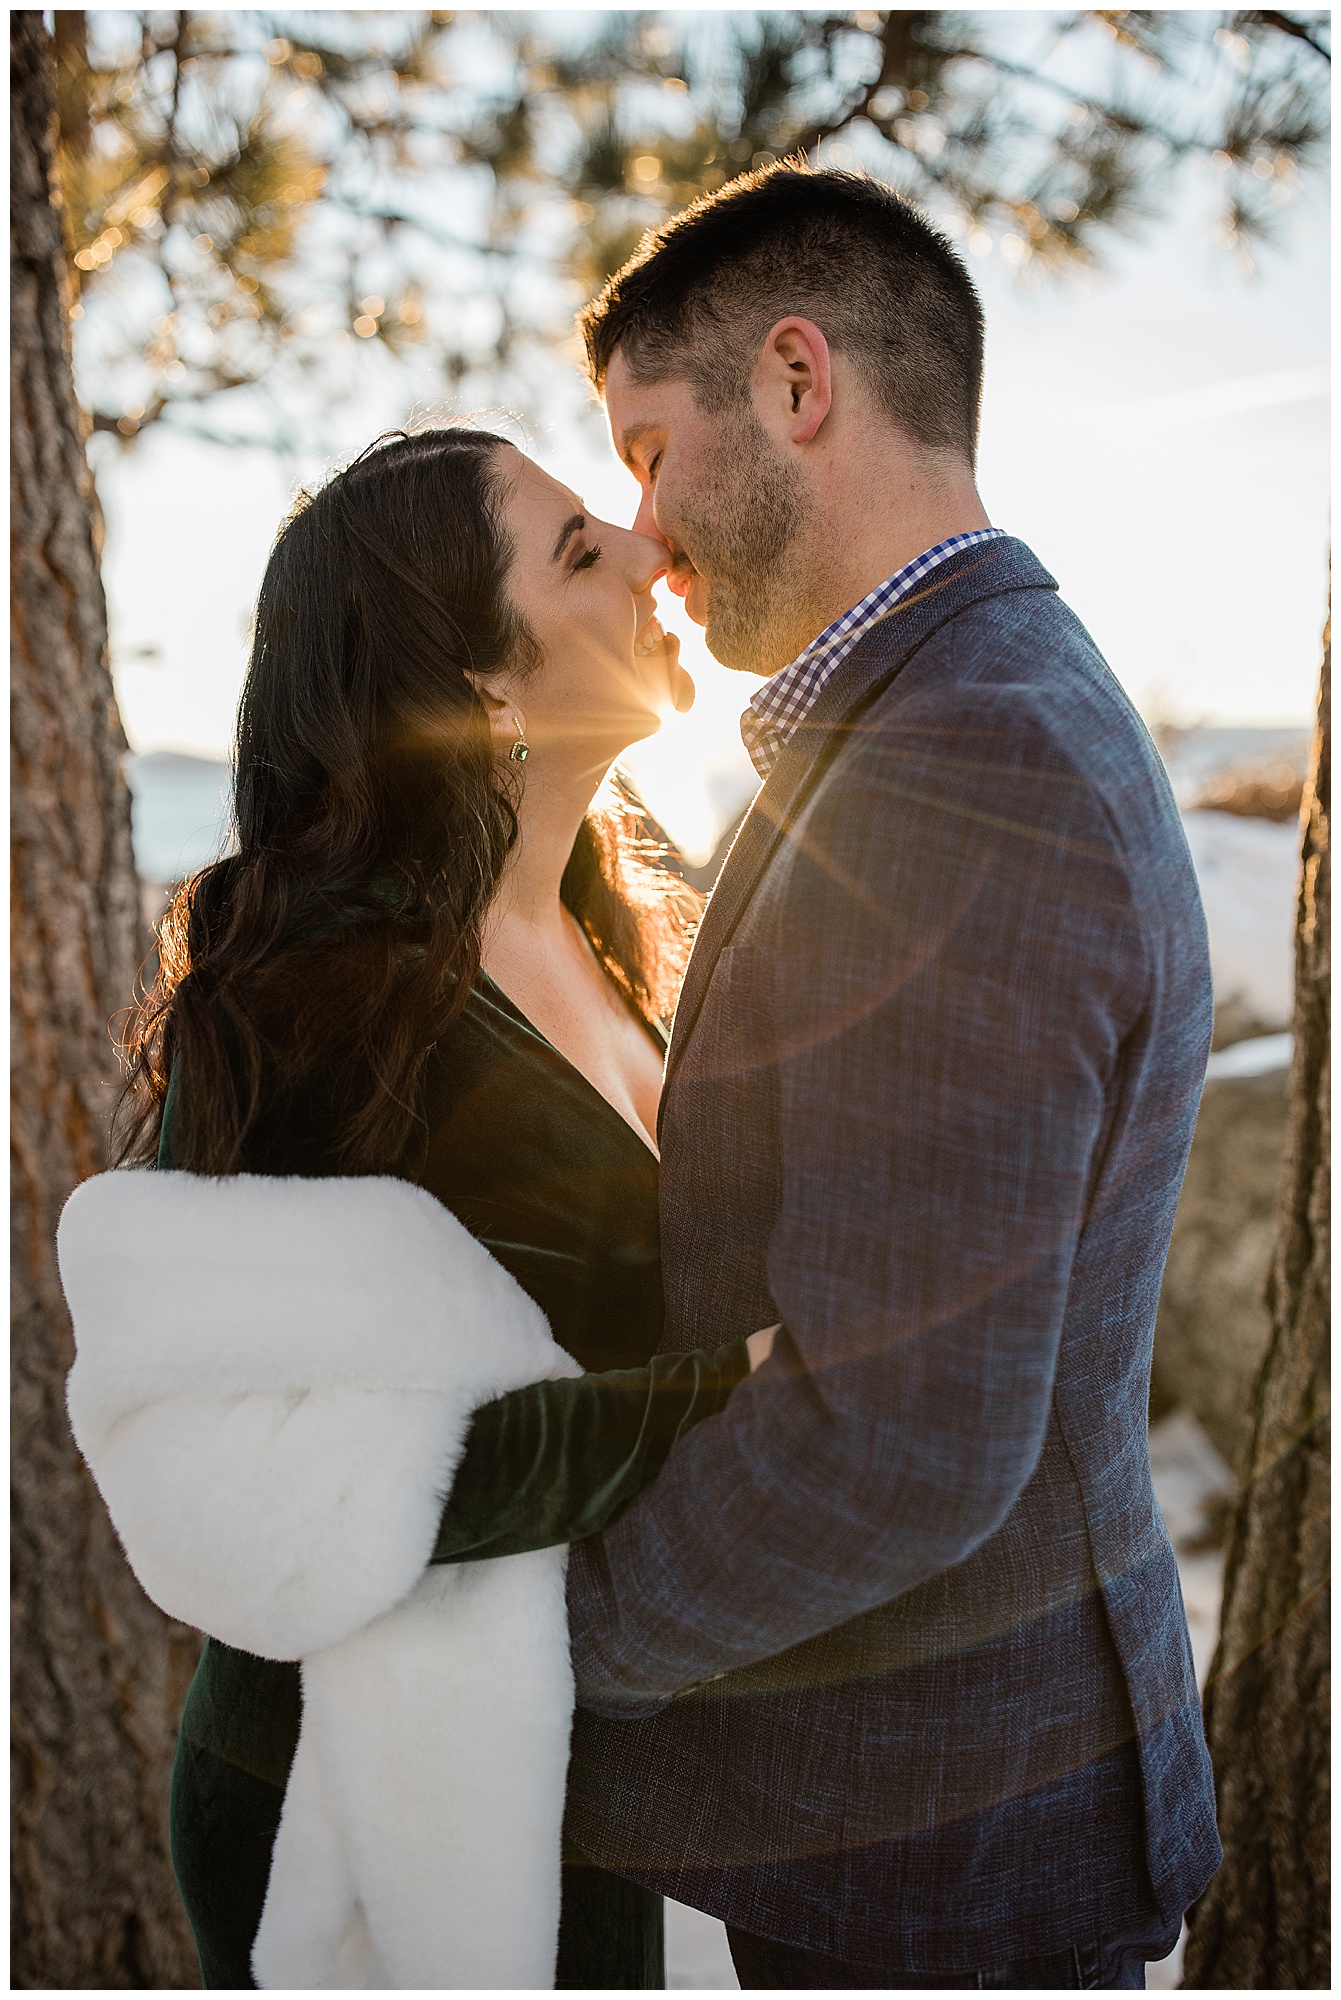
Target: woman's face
{"x": 584, "y": 588}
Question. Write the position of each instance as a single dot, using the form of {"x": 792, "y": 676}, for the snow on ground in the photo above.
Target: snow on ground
{"x": 698, "y": 1959}
{"x": 1190, "y": 1478}
{"x": 1248, "y": 870}
{"x": 1258, "y": 1056}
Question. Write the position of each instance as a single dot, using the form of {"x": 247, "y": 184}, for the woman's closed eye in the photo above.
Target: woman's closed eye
{"x": 590, "y": 559}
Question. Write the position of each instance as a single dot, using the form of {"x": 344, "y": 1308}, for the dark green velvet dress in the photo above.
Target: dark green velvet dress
{"x": 538, "y": 1166}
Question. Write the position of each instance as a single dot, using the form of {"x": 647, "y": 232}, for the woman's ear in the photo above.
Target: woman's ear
{"x": 507, "y": 724}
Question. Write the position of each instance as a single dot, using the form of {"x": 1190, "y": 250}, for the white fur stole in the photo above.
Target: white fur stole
{"x": 272, "y": 1386}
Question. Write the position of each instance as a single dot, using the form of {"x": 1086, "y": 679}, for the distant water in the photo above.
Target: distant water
{"x": 181, "y": 813}
{"x": 1193, "y": 757}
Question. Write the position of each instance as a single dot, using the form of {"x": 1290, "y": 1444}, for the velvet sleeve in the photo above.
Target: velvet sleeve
{"x": 558, "y": 1461}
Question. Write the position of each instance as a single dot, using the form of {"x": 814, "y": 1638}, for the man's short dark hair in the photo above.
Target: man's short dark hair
{"x": 697, "y": 297}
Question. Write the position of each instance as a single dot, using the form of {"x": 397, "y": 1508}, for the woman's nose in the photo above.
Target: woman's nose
{"x": 647, "y": 557}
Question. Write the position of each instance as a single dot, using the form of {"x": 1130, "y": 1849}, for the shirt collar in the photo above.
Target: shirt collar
{"x": 783, "y": 702}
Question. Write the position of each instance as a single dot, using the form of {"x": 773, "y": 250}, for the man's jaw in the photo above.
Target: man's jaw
{"x": 748, "y": 637}
{"x": 715, "y": 608}
{"x": 708, "y": 607}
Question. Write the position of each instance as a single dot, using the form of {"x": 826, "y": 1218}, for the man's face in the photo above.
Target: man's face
{"x": 731, "y": 511}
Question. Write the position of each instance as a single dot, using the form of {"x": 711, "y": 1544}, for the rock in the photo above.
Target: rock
{"x": 1212, "y": 1328}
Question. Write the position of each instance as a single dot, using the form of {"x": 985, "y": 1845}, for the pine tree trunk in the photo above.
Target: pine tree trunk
{"x": 1264, "y": 1921}
{"x": 96, "y": 1671}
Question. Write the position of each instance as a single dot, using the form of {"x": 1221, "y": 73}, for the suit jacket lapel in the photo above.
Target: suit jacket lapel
{"x": 989, "y": 570}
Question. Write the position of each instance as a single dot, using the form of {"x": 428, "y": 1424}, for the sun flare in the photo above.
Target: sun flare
{"x": 694, "y": 775}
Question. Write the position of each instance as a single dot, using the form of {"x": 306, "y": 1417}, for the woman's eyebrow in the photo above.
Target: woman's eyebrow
{"x": 570, "y": 527}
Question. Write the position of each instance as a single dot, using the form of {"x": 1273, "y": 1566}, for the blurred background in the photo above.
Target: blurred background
{"x": 289, "y": 231}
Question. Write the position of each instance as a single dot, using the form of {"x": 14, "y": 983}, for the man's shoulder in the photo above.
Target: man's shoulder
{"x": 1015, "y": 682}
{"x": 1008, "y": 711}
{"x": 1023, "y": 651}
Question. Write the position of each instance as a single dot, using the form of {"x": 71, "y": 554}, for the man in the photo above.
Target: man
{"x": 890, "y": 1668}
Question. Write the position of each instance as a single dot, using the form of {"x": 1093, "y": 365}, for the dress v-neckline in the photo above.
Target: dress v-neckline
{"x": 581, "y": 1074}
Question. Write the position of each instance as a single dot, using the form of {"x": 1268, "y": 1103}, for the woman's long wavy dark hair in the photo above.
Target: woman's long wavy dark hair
{"x": 304, "y": 979}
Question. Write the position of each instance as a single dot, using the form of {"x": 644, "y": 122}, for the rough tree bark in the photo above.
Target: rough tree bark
{"x": 1264, "y": 1921}
{"x": 96, "y": 1671}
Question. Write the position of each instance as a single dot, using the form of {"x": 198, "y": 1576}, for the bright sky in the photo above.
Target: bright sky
{"x": 1157, "y": 434}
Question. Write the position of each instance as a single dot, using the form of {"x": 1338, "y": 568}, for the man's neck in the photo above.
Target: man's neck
{"x": 872, "y": 527}
{"x": 865, "y": 571}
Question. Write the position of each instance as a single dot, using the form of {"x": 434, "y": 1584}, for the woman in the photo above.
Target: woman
{"x": 431, "y": 959}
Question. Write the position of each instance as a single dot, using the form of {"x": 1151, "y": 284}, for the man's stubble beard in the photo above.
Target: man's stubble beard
{"x": 743, "y": 529}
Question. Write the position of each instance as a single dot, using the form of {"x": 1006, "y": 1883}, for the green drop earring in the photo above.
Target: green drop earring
{"x": 521, "y": 749}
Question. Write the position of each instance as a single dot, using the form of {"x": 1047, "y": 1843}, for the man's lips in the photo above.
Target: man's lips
{"x": 681, "y": 575}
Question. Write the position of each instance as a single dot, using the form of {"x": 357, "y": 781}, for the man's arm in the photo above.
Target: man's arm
{"x": 958, "y": 966}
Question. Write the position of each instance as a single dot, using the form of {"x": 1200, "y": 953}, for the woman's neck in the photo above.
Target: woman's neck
{"x": 549, "y": 815}
{"x": 543, "y": 961}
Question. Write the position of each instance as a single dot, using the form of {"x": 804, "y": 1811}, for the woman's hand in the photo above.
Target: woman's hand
{"x": 761, "y": 1345}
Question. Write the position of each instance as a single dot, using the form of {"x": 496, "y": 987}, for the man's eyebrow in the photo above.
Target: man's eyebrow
{"x": 570, "y": 527}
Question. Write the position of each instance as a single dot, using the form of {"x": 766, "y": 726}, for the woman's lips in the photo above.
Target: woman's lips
{"x": 653, "y": 640}
{"x": 682, "y": 688}
{"x": 649, "y": 640}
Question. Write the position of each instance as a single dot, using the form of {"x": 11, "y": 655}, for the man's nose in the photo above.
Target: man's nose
{"x": 644, "y": 521}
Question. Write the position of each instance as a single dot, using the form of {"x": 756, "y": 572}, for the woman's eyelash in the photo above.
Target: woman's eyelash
{"x": 587, "y": 561}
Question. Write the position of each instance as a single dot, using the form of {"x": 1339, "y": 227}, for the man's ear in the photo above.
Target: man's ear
{"x": 793, "y": 381}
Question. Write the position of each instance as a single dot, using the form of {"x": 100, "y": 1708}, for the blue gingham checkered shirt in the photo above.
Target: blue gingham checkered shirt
{"x": 781, "y": 702}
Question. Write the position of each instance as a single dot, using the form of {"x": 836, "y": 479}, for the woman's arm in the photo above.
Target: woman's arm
{"x": 559, "y": 1461}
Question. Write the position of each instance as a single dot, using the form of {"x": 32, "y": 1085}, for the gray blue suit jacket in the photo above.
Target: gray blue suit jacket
{"x": 891, "y": 1661}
